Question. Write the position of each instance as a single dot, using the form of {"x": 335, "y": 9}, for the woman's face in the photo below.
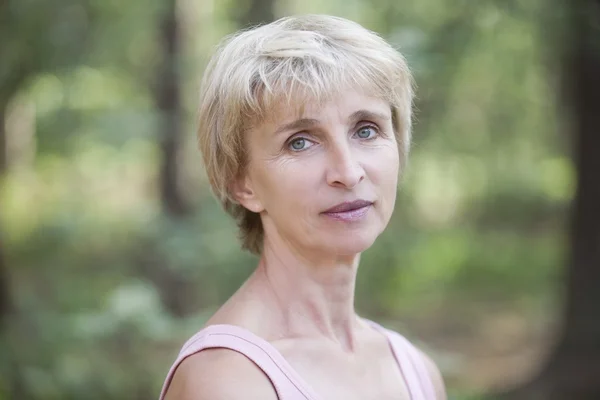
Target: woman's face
{"x": 324, "y": 179}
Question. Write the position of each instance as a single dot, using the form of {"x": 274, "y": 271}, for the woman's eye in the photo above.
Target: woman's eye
{"x": 366, "y": 132}
{"x": 300, "y": 144}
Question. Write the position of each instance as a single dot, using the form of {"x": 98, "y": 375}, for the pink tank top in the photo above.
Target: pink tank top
{"x": 287, "y": 383}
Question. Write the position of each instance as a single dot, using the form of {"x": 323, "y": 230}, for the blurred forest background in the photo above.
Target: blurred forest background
{"x": 113, "y": 251}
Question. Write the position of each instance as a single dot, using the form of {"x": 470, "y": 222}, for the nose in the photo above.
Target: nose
{"x": 344, "y": 169}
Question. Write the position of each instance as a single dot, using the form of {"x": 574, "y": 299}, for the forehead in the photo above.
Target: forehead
{"x": 337, "y": 106}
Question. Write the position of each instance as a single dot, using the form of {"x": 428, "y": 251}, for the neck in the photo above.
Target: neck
{"x": 314, "y": 297}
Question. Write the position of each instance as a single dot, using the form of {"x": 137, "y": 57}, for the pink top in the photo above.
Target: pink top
{"x": 287, "y": 383}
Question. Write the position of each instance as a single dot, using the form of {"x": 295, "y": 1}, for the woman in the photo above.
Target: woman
{"x": 304, "y": 126}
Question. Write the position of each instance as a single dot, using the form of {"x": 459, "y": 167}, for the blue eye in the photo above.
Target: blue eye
{"x": 366, "y": 132}
{"x": 299, "y": 144}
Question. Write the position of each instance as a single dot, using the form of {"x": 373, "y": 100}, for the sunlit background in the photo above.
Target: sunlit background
{"x": 115, "y": 252}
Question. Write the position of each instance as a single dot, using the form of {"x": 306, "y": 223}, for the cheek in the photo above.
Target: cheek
{"x": 287, "y": 183}
{"x": 384, "y": 166}
{"x": 386, "y": 181}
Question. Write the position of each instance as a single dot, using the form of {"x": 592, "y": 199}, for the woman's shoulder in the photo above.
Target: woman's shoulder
{"x": 219, "y": 373}
{"x": 423, "y": 364}
{"x": 435, "y": 375}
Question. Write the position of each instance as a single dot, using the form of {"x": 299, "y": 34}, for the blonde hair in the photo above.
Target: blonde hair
{"x": 290, "y": 61}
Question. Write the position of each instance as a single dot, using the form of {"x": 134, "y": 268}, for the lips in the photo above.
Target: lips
{"x": 348, "y": 206}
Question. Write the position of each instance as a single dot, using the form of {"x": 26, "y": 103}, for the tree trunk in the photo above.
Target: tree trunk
{"x": 573, "y": 369}
{"x": 3, "y": 140}
{"x": 576, "y": 360}
{"x": 5, "y": 297}
{"x": 258, "y": 12}
{"x": 12, "y": 373}
{"x": 173, "y": 197}
{"x": 6, "y": 306}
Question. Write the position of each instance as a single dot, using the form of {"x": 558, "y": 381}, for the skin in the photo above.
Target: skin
{"x": 301, "y": 296}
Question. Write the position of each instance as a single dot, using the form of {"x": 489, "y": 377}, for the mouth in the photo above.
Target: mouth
{"x": 349, "y": 211}
{"x": 348, "y": 206}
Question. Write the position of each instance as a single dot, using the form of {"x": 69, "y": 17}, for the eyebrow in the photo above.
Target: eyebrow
{"x": 299, "y": 124}
{"x": 368, "y": 115}
{"x": 305, "y": 123}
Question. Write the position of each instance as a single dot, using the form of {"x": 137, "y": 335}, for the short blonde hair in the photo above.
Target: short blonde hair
{"x": 293, "y": 59}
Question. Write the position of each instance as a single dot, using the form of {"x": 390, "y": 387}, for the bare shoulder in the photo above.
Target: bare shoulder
{"x": 219, "y": 374}
{"x": 436, "y": 377}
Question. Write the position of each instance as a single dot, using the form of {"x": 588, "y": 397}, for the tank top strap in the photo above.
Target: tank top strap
{"x": 284, "y": 379}
{"x": 412, "y": 365}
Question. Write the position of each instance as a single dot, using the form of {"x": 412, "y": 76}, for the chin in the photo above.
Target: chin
{"x": 351, "y": 242}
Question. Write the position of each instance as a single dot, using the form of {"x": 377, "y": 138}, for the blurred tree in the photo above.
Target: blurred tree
{"x": 3, "y": 142}
{"x": 155, "y": 264}
{"x": 5, "y": 297}
{"x": 40, "y": 24}
{"x": 10, "y": 368}
{"x": 168, "y": 101}
{"x": 573, "y": 369}
{"x": 254, "y": 12}
{"x": 6, "y": 305}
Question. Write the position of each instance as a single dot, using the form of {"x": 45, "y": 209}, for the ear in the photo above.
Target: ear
{"x": 243, "y": 191}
